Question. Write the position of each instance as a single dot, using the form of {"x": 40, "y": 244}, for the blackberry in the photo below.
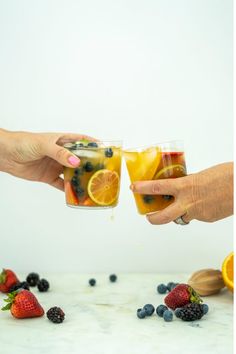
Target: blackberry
{"x": 88, "y": 167}
{"x": 168, "y": 316}
{"x": 32, "y": 279}
{"x": 113, "y": 278}
{"x": 148, "y": 199}
{"x": 43, "y": 285}
{"x": 161, "y": 288}
{"x": 92, "y": 144}
{"x": 20, "y": 285}
{"x": 191, "y": 312}
{"x": 141, "y": 313}
{"x": 55, "y": 314}
{"x": 160, "y": 310}
{"x": 109, "y": 152}
{"x": 92, "y": 282}
{"x": 149, "y": 309}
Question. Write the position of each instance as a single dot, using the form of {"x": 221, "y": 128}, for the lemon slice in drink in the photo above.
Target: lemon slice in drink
{"x": 103, "y": 187}
{"x": 171, "y": 171}
{"x": 142, "y": 165}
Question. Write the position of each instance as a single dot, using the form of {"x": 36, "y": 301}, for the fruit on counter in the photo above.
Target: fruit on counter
{"x": 171, "y": 285}
{"x": 113, "y": 278}
{"x": 7, "y": 280}
{"x": 23, "y": 304}
{"x": 190, "y": 312}
{"x": 55, "y": 314}
{"x": 162, "y": 289}
{"x": 168, "y": 316}
{"x": 32, "y": 279}
{"x": 228, "y": 271}
{"x": 20, "y": 285}
{"x": 160, "y": 310}
{"x": 205, "y": 308}
{"x": 181, "y": 295}
{"x": 92, "y": 282}
{"x": 149, "y": 309}
{"x": 207, "y": 281}
{"x": 43, "y": 285}
{"x": 141, "y": 313}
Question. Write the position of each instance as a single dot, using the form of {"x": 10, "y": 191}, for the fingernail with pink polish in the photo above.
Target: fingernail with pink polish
{"x": 74, "y": 161}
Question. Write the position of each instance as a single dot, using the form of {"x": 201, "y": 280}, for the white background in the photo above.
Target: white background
{"x": 141, "y": 71}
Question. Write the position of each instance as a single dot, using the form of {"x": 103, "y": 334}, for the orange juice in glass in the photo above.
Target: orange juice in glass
{"x": 95, "y": 183}
{"x": 164, "y": 160}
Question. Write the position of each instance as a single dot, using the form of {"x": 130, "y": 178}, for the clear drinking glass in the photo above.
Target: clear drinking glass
{"x": 159, "y": 161}
{"x": 95, "y": 183}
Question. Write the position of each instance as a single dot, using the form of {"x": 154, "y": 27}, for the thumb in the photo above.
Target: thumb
{"x": 62, "y": 155}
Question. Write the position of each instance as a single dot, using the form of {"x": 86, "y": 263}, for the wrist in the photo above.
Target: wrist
{"x": 5, "y": 150}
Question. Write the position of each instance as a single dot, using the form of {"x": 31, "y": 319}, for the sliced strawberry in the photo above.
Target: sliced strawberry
{"x": 71, "y": 197}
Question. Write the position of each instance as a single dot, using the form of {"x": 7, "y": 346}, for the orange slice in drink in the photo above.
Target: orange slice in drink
{"x": 228, "y": 271}
{"x": 142, "y": 165}
{"x": 103, "y": 187}
{"x": 170, "y": 171}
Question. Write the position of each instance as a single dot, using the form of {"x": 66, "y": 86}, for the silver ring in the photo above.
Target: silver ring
{"x": 180, "y": 221}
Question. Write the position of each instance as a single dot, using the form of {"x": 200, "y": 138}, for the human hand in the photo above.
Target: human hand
{"x": 37, "y": 156}
{"x": 205, "y": 196}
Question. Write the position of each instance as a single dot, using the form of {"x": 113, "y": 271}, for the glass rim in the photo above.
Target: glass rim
{"x": 116, "y": 143}
{"x": 161, "y": 144}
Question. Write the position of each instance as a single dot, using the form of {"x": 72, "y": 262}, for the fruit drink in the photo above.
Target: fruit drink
{"x": 95, "y": 183}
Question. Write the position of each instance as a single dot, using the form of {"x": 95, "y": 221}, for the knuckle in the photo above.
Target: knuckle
{"x": 61, "y": 153}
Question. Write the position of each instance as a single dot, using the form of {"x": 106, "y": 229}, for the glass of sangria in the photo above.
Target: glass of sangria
{"x": 164, "y": 160}
{"x": 95, "y": 183}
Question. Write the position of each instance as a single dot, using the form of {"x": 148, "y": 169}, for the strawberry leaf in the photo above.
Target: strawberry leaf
{"x": 7, "y": 307}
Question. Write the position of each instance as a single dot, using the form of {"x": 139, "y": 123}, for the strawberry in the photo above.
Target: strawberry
{"x": 7, "y": 280}
{"x": 181, "y": 295}
{"x": 23, "y": 304}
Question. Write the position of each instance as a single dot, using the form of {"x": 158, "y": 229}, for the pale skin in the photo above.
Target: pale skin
{"x": 37, "y": 156}
{"x": 205, "y": 196}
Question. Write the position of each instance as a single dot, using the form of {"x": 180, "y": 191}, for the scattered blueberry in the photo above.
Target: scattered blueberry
{"x": 113, "y": 278}
{"x": 78, "y": 171}
{"x": 170, "y": 285}
{"x": 92, "y": 282}
{"x": 75, "y": 181}
{"x": 167, "y": 197}
{"x": 160, "y": 310}
{"x": 88, "y": 167}
{"x": 92, "y": 144}
{"x": 32, "y": 279}
{"x": 109, "y": 152}
{"x": 149, "y": 309}
{"x": 173, "y": 286}
{"x": 43, "y": 285}
{"x": 20, "y": 285}
{"x": 205, "y": 308}
{"x": 162, "y": 289}
{"x": 141, "y": 313}
{"x": 178, "y": 312}
{"x": 148, "y": 199}
{"x": 168, "y": 316}
{"x": 80, "y": 191}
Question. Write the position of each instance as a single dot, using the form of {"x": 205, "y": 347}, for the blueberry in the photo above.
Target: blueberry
{"x": 178, "y": 312}
{"x": 160, "y": 310}
{"x": 109, "y": 152}
{"x": 79, "y": 145}
{"x": 167, "y": 197}
{"x": 43, "y": 285}
{"x": 149, "y": 309}
{"x": 80, "y": 191}
{"x": 148, "y": 199}
{"x": 205, "y": 308}
{"x": 78, "y": 171}
{"x": 168, "y": 316}
{"x": 92, "y": 282}
{"x": 170, "y": 285}
{"x": 75, "y": 181}
{"x": 162, "y": 289}
{"x": 113, "y": 278}
{"x": 92, "y": 144}
{"x": 141, "y": 313}
{"x": 88, "y": 167}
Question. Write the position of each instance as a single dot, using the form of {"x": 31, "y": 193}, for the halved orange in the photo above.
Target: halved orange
{"x": 103, "y": 187}
{"x": 228, "y": 271}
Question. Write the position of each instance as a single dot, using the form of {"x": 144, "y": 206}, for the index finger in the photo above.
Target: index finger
{"x": 159, "y": 187}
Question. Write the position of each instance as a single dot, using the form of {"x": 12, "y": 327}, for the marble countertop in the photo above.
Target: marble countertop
{"x": 102, "y": 320}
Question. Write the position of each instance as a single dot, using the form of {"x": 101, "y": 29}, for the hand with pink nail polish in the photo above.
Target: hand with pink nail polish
{"x": 37, "y": 156}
